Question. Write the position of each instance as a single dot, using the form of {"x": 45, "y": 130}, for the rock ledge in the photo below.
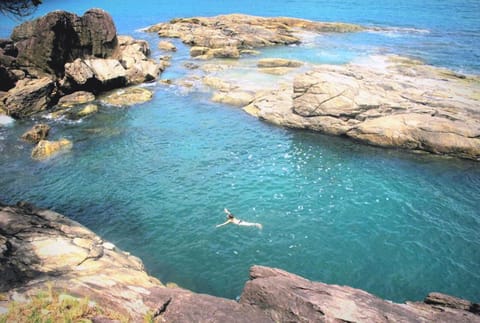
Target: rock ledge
{"x": 40, "y": 248}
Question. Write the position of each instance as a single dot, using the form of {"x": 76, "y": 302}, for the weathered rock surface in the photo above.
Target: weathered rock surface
{"x": 75, "y": 54}
{"x": 88, "y": 110}
{"x": 95, "y": 74}
{"x": 40, "y": 247}
{"x": 79, "y": 97}
{"x": 291, "y": 298}
{"x": 37, "y": 133}
{"x": 227, "y": 35}
{"x": 401, "y": 103}
{"x": 28, "y": 97}
{"x": 60, "y": 37}
{"x": 128, "y": 96}
{"x": 235, "y": 98}
{"x": 167, "y": 46}
{"x": 278, "y": 62}
{"x": 46, "y": 149}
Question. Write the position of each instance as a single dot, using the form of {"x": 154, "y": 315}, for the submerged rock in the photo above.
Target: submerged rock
{"x": 278, "y": 62}
{"x": 88, "y": 110}
{"x": 46, "y": 149}
{"x": 76, "y": 98}
{"x": 37, "y": 133}
{"x": 128, "y": 96}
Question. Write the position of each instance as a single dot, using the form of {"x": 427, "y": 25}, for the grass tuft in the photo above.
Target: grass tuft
{"x": 50, "y": 307}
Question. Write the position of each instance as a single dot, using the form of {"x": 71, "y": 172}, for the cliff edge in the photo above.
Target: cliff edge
{"x": 40, "y": 248}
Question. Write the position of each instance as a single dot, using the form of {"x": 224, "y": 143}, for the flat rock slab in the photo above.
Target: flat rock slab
{"x": 127, "y": 97}
{"x": 228, "y": 35}
{"x": 389, "y": 101}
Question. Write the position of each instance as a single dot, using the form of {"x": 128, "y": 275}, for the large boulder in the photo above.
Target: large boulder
{"x": 77, "y": 53}
{"x": 95, "y": 74}
{"x": 60, "y": 37}
{"x": 133, "y": 55}
{"x": 28, "y": 97}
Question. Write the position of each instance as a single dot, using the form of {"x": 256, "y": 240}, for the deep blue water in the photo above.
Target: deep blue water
{"x": 154, "y": 179}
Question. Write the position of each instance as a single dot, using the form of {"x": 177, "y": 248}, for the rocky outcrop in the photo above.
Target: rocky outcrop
{"x": 59, "y": 37}
{"x": 29, "y": 96}
{"x": 227, "y": 36}
{"x": 291, "y": 298}
{"x": 401, "y": 103}
{"x": 61, "y": 53}
{"x": 39, "y": 248}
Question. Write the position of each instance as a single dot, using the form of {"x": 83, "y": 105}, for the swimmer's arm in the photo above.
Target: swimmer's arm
{"x": 224, "y": 223}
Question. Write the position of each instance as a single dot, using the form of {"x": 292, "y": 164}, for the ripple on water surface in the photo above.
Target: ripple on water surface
{"x": 154, "y": 180}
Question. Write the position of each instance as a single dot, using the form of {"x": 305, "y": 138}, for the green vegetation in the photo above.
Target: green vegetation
{"x": 50, "y": 306}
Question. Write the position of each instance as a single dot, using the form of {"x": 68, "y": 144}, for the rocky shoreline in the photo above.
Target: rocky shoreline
{"x": 63, "y": 65}
{"x": 41, "y": 248}
{"x": 388, "y": 101}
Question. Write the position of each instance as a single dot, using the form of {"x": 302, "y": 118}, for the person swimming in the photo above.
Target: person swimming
{"x": 232, "y": 219}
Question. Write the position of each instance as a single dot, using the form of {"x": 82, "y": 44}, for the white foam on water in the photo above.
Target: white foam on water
{"x": 6, "y": 120}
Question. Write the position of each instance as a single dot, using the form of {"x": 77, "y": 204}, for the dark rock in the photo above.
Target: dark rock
{"x": 37, "y": 133}
{"x": 59, "y": 37}
{"x": 452, "y": 302}
{"x": 7, "y": 79}
{"x": 8, "y": 47}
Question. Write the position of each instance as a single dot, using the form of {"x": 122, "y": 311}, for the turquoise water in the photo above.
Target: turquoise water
{"x": 154, "y": 179}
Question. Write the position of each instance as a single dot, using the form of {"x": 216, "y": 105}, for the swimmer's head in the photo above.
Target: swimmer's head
{"x": 229, "y": 216}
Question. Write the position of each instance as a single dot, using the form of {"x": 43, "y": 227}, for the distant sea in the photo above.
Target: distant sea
{"x": 154, "y": 179}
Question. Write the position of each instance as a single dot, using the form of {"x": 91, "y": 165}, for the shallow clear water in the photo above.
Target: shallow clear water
{"x": 154, "y": 179}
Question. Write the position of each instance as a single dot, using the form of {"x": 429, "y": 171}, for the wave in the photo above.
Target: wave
{"x": 398, "y": 31}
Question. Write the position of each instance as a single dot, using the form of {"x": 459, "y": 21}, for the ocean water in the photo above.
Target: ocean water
{"x": 154, "y": 178}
